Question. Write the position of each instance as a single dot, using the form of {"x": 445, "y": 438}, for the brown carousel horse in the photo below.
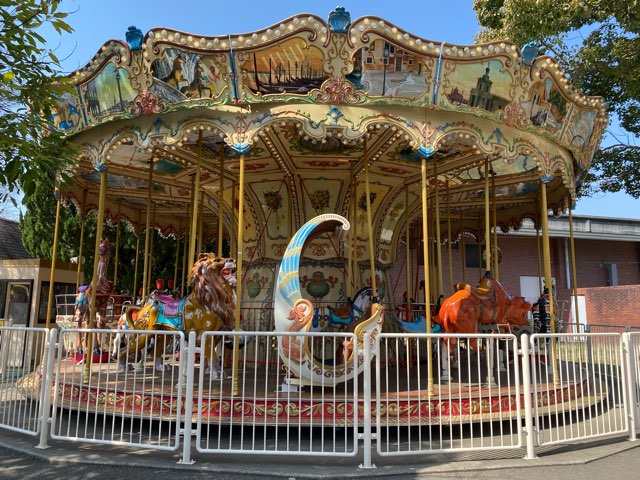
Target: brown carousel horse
{"x": 487, "y": 304}
{"x": 210, "y": 307}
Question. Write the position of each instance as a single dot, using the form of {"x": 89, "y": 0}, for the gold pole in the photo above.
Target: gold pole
{"x": 145, "y": 265}
{"x": 425, "y": 253}
{"x": 175, "y": 272}
{"x": 487, "y": 220}
{"x": 408, "y": 252}
{"x": 433, "y": 276}
{"x": 349, "y": 286}
{"x": 54, "y": 255}
{"x": 232, "y": 241}
{"x": 94, "y": 278}
{"x": 115, "y": 264}
{"x": 539, "y": 258}
{"x": 574, "y": 276}
{"x": 135, "y": 268}
{"x": 152, "y": 234}
{"x": 495, "y": 228}
{"x": 184, "y": 280}
{"x": 463, "y": 249}
{"x": 194, "y": 210}
{"x": 200, "y": 223}
{"x": 83, "y": 221}
{"x": 438, "y": 244}
{"x": 221, "y": 202}
{"x": 354, "y": 214}
{"x": 187, "y": 239}
{"x": 236, "y": 350}
{"x": 546, "y": 252}
{"x": 449, "y": 247}
{"x": 374, "y": 287}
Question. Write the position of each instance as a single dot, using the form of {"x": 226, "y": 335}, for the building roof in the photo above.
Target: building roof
{"x": 594, "y": 228}
{"x": 11, "y": 241}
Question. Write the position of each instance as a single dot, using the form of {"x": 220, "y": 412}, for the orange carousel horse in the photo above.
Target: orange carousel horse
{"x": 488, "y": 304}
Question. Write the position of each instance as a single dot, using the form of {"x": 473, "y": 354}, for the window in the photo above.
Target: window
{"x": 59, "y": 289}
{"x": 473, "y": 253}
{"x": 410, "y": 61}
{"x": 369, "y": 60}
{"x": 611, "y": 272}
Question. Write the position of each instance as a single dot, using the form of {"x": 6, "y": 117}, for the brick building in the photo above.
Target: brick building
{"x": 607, "y": 259}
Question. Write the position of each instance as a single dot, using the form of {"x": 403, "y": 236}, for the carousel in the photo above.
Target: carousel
{"x": 338, "y": 167}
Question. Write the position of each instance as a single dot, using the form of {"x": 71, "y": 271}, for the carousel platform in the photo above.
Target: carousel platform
{"x": 403, "y": 397}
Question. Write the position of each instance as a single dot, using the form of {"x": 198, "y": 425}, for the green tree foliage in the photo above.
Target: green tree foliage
{"x": 29, "y": 85}
{"x": 36, "y": 225}
{"x": 597, "y": 44}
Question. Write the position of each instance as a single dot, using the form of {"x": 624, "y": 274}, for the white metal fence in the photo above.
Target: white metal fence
{"x": 469, "y": 400}
{"x": 133, "y": 400}
{"x": 260, "y": 409}
{"x": 484, "y": 392}
{"x": 579, "y": 386}
{"x": 22, "y": 350}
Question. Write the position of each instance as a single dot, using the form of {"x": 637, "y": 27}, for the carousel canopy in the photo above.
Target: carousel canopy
{"x": 309, "y": 103}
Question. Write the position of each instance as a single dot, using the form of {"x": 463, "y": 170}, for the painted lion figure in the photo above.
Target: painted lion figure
{"x": 209, "y": 307}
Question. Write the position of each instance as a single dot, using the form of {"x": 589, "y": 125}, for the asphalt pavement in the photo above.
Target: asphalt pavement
{"x": 19, "y": 459}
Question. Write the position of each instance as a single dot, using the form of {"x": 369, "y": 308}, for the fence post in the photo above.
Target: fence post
{"x": 630, "y": 398}
{"x": 188, "y": 401}
{"x": 367, "y": 463}
{"x": 46, "y": 386}
{"x": 528, "y": 407}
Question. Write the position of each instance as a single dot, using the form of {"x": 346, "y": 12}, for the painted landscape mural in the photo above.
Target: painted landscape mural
{"x": 289, "y": 67}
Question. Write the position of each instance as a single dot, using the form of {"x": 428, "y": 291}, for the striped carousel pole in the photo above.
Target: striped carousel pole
{"x": 54, "y": 255}
{"x": 115, "y": 264}
{"x": 438, "y": 245}
{"x": 372, "y": 264}
{"x": 449, "y": 246}
{"x": 350, "y": 240}
{"x": 147, "y": 234}
{"x": 546, "y": 253}
{"x": 495, "y": 226}
{"x": 574, "y": 275}
{"x": 83, "y": 221}
{"x": 238, "y": 312}
{"x": 408, "y": 251}
{"x": 94, "y": 279}
{"x": 152, "y": 241}
{"x": 463, "y": 250}
{"x": 425, "y": 253}
{"x": 195, "y": 207}
{"x": 177, "y": 263}
{"x": 134, "y": 290}
{"x": 221, "y": 202}
{"x": 487, "y": 221}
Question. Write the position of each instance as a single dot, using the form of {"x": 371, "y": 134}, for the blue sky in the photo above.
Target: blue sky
{"x": 453, "y": 21}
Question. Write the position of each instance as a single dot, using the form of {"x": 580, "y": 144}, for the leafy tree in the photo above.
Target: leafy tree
{"x": 597, "y": 44}
{"x": 29, "y": 86}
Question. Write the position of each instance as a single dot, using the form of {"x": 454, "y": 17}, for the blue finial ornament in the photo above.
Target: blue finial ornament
{"x": 426, "y": 152}
{"x": 241, "y": 147}
{"x": 530, "y": 52}
{"x": 134, "y": 38}
{"x": 339, "y": 20}
{"x": 546, "y": 179}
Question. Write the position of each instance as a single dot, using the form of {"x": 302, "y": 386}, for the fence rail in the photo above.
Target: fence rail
{"x": 275, "y": 415}
{"x": 419, "y": 394}
{"x": 136, "y": 409}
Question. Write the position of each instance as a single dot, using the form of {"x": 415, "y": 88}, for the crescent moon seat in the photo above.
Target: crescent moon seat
{"x": 295, "y": 314}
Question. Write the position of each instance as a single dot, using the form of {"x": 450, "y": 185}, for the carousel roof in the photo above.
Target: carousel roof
{"x": 308, "y": 102}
